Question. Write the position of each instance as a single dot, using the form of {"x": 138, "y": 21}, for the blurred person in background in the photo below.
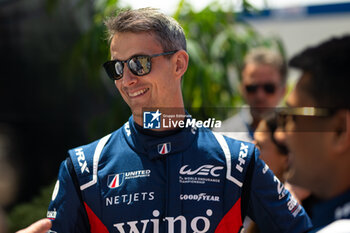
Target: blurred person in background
{"x": 316, "y": 130}
{"x": 263, "y": 86}
{"x": 275, "y": 154}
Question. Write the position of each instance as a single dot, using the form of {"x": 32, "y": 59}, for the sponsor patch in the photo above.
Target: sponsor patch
{"x": 51, "y": 214}
{"x": 243, "y": 151}
{"x": 180, "y": 223}
{"x": 127, "y": 129}
{"x": 129, "y": 199}
{"x": 81, "y": 160}
{"x": 164, "y": 148}
{"x": 117, "y": 180}
{"x": 55, "y": 190}
{"x": 199, "y": 197}
{"x": 342, "y": 211}
{"x": 200, "y": 175}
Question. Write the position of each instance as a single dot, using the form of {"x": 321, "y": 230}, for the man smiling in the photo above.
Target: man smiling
{"x": 165, "y": 179}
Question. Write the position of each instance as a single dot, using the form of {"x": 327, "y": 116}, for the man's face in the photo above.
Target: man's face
{"x": 157, "y": 89}
{"x": 268, "y": 90}
{"x": 308, "y": 142}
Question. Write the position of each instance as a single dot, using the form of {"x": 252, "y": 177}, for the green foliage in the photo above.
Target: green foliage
{"x": 217, "y": 44}
{"x": 25, "y": 214}
{"x": 83, "y": 64}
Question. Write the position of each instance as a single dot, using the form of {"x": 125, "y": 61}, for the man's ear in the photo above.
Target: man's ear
{"x": 341, "y": 127}
{"x": 180, "y": 59}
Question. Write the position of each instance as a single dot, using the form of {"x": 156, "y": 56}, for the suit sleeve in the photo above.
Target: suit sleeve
{"x": 270, "y": 205}
{"x": 66, "y": 209}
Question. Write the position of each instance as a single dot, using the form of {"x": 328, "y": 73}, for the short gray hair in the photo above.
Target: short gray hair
{"x": 266, "y": 56}
{"x": 167, "y": 30}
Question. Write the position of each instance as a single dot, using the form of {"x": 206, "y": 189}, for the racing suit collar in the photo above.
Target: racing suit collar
{"x": 157, "y": 147}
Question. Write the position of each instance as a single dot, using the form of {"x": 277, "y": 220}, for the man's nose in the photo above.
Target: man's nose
{"x": 260, "y": 93}
{"x": 129, "y": 78}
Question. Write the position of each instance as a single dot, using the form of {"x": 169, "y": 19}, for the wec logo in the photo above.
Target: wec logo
{"x": 204, "y": 170}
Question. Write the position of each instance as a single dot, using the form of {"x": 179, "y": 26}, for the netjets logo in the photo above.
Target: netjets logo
{"x": 204, "y": 170}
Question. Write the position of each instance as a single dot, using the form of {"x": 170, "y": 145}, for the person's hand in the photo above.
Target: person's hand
{"x": 40, "y": 226}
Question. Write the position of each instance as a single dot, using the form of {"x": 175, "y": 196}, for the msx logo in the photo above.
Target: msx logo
{"x": 151, "y": 120}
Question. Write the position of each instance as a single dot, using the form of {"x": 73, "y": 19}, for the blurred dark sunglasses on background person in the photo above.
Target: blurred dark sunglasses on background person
{"x": 139, "y": 65}
{"x": 269, "y": 88}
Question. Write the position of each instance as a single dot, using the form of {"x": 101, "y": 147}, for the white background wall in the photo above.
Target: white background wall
{"x": 299, "y": 32}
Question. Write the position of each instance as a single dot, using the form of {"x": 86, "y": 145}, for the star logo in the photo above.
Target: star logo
{"x": 151, "y": 120}
{"x": 156, "y": 115}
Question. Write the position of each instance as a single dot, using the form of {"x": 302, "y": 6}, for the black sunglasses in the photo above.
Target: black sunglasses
{"x": 138, "y": 65}
{"x": 289, "y": 114}
{"x": 269, "y": 88}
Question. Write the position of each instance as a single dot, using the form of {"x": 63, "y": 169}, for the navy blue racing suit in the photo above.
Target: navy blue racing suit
{"x": 328, "y": 211}
{"x": 193, "y": 180}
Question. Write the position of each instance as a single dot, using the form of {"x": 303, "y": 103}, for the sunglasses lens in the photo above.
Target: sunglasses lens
{"x": 140, "y": 65}
{"x": 251, "y": 88}
{"x": 269, "y": 88}
{"x": 112, "y": 71}
{"x": 119, "y": 68}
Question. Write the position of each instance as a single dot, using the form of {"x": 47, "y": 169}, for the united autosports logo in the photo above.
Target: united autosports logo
{"x": 117, "y": 180}
{"x": 151, "y": 120}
